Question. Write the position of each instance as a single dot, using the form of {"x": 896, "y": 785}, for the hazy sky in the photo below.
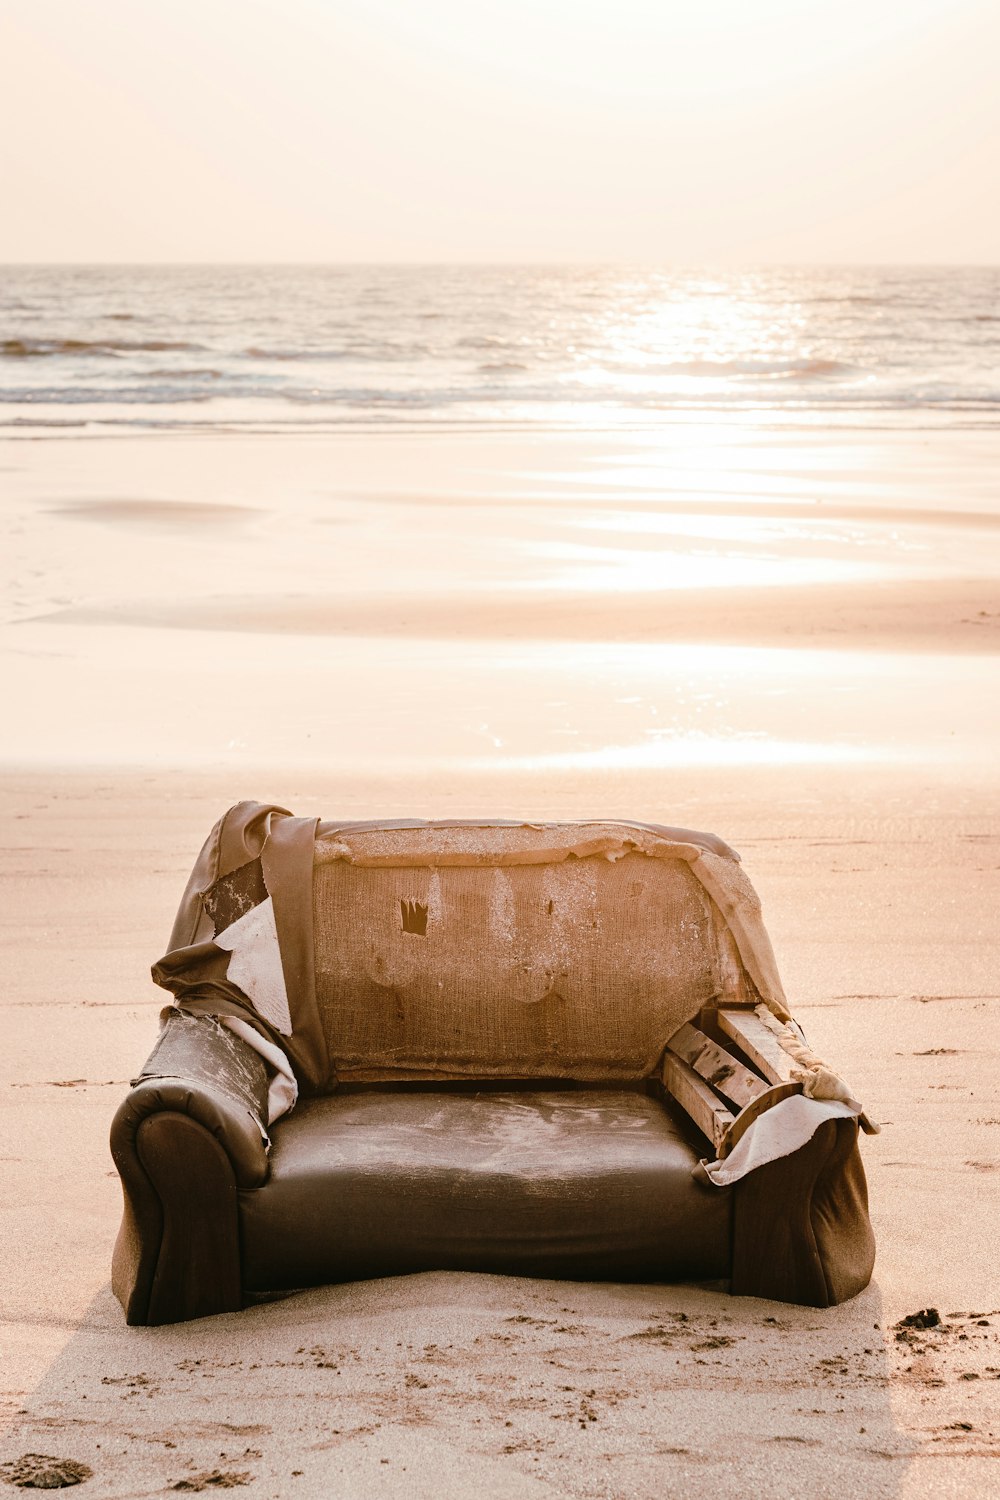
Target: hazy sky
{"x": 498, "y": 130}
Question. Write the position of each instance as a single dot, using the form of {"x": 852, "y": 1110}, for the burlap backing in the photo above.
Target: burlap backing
{"x": 569, "y": 966}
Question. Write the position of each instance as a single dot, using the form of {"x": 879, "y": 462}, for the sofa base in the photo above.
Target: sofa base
{"x": 570, "y": 1184}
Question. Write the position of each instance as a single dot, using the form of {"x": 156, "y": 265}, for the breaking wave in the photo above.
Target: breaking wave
{"x": 365, "y": 352}
{"x": 501, "y": 367}
{"x": 28, "y": 348}
{"x": 800, "y": 369}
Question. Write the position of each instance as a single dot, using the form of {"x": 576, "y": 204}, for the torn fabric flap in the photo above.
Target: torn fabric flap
{"x": 255, "y": 965}
{"x": 255, "y": 854}
{"x": 779, "y": 1131}
{"x": 818, "y": 1081}
{"x": 242, "y": 914}
{"x": 282, "y": 1089}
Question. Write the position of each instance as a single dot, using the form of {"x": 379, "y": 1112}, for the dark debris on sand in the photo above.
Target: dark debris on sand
{"x": 215, "y": 1479}
{"x": 40, "y": 1471}
{"x": 927, "y": 1317}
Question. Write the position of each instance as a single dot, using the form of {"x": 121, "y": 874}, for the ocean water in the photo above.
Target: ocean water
{"x": 278, "y": 347}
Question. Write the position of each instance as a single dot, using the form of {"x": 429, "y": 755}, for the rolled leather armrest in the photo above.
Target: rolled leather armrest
{"x": 190, "y": 1132}
{"x": 204, "y": 1070}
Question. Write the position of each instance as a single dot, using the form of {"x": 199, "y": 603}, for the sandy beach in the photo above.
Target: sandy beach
{"x": 788, "y": 637}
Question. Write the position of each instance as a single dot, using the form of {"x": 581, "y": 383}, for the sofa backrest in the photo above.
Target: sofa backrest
{"x": 456, "y": 951}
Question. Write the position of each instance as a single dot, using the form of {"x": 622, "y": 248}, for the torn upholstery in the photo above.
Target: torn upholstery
{"x": 242, "y": 941}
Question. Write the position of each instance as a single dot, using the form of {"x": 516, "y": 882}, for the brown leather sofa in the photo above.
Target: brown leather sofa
{"x": 515, "y": 1044}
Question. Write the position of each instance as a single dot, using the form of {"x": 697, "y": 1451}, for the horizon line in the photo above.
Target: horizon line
{"x": 648, "y": 265}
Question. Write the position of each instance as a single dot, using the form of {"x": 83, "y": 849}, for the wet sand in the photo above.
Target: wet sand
{"x": 957, "y": 615}
{"x": 857, "y": 780}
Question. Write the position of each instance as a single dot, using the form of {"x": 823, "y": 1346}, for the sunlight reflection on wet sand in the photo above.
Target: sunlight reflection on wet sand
{"x": 391, "y": 605}
{"x": 143, "y": 695}
{"x": 626, "y": 569}
{"x": 698, "y": 750}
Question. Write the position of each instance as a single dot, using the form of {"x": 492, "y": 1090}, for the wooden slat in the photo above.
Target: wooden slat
{"x": 753, "y": 1111}
{"x": 691, "y": 1090}
{"x": 760, "y": 1045}
{"x": 710, "y": 1115}
{"x": 716, "y": 1065}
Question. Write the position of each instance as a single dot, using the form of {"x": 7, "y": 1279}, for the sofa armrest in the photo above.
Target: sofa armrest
{"x": 204, "y": 1070}
{"x": 190, "y": 1132}
{"x": 801, "y": 1231}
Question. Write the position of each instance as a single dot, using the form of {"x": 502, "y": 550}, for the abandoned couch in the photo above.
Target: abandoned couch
{"x": 547, "y": 1049}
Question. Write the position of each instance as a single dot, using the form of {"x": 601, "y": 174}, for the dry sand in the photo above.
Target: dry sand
{"x": 858, "y": 781}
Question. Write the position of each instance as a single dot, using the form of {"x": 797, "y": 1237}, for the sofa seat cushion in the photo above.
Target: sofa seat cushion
{"x": 588, "y": 1184}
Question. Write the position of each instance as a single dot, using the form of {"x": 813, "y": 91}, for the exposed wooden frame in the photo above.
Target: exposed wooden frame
{"x": 694, "y": 1096}
{"x": 697, "y": 1069}
{"x": 717, "y": 1066}
{"x": 761, "y": 1045}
